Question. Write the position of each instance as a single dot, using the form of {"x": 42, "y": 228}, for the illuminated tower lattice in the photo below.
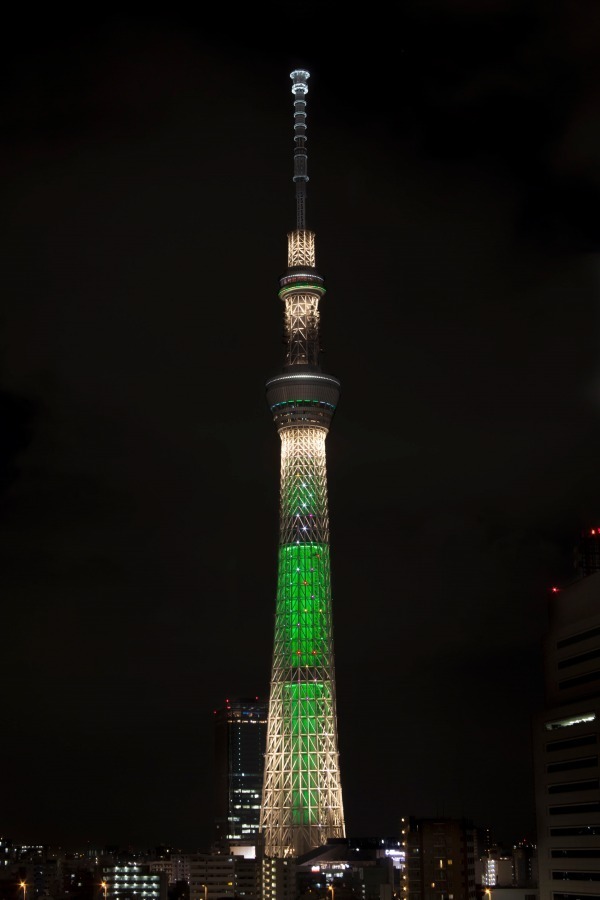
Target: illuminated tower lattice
{"x": 302, "y": 796}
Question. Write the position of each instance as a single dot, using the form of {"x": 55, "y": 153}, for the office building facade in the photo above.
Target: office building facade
{"x": 240, "y": 729}
{"x": 566, "y": 738}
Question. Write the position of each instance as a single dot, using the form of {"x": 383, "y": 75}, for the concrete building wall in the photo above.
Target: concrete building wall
{"x": 566, "y": 740}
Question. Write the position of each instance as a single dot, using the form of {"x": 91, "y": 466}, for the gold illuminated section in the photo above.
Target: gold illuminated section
{"x": 302, "y": 326}
{"x": 301, "y": 288}
{"x": 301, "y": 248}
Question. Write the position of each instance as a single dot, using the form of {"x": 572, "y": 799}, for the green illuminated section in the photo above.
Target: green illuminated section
{"x": 303, "y": 620}
{"x": 308, "y": 706}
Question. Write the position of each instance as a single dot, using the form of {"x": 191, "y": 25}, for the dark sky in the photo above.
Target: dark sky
{"x": 454, "y": 158}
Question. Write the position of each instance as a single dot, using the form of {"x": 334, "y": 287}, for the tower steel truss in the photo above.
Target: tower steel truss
{"x": 302, "y": 796}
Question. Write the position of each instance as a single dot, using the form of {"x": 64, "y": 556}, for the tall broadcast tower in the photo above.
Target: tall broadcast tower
{"x": 302, "y": 796}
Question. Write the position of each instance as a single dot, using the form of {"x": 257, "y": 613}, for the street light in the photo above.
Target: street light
{"x": 332, "y": 889}
{"x": 205, "y": 891}
{"x": 23, "y": 884}
{"x": 104, "y": 887}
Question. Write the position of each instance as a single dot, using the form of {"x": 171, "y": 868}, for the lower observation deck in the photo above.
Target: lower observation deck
{"x": 303, "y": 397}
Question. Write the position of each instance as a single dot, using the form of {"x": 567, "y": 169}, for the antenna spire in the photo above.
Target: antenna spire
{"x": 300, "y": 90}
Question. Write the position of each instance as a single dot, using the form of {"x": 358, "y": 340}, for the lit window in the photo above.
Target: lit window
{"x": 572, "y": 720}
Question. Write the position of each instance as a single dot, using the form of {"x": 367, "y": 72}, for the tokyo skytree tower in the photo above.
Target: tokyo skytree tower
{"x": 302, "y": 796}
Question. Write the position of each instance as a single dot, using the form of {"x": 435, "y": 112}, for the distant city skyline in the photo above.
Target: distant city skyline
{"x": 456, "y": 856}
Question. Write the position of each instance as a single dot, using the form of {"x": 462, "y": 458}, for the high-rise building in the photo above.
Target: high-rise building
{"x": 587, "y": 552}
{"x": 566, "y": 739}
{"x": 302, "y": 797}
{"x": 440, "y": 859}
{"x": 240, "y": 742}
{"x": 524, "y": 864}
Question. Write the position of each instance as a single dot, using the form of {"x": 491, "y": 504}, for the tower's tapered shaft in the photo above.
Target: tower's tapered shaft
{"x": 302, "y": 797}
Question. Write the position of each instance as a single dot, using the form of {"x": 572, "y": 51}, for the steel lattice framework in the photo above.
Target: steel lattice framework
{"x": 302, "y": 797}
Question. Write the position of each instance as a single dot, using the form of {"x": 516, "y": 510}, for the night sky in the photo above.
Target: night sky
{"x": 454, "y": 163}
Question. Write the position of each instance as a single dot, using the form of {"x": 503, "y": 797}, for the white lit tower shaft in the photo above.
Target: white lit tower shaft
{"x": 302, "y": 796}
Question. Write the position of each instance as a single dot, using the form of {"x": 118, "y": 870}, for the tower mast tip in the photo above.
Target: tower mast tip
{"x": 300, "y": 90}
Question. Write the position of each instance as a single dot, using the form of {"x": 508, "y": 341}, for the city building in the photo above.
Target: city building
{"x": 176, "y": 867}
{"x": 240, "y": 743}
{"x": 524, "y": 864}
{"x": 440, "y": 859}
{"x": 365, "y": 868}
{"x": 302, "y": 797}
{"x": 497, "y": 867}
{"x": 278, "y": 879}
{"x": 133, "y": 881}
{"x": 215, "y": 876}
{"x": 494, "y": 869}
{"x": 587, "y": 552}
{"x": 566, "y": 735}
